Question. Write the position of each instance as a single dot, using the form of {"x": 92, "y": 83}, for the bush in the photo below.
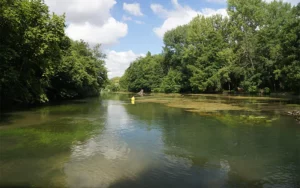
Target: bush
{"x": 267, "y": 90}
{"x": 170, "y": 83}
{"x": 252, "y": 89}
{"x": 156, "y": 90}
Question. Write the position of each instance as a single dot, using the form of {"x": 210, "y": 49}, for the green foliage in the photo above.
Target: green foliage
{"x": 144, "y": 73}
{"x": 252, "y": 89}
{"x": 171, "y": 82}
{"x": 257, "y": 46}
{"x": 267, "y": 90}
{"x": 38, "y": 61}
{"x": 157, "y": 90}
{"x": 81, "y": 72}
{"x": 113, "y": 85}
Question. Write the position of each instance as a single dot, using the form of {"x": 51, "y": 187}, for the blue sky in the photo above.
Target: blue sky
{"x": 140, "y": 37}
{"x": 128, "y": 29}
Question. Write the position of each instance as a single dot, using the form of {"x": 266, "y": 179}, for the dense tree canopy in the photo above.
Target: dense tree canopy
{"x": 38, "y": 61}
{"x": 255, "y": 48}
{"x": 144, "y": 73}
{"x": 80, "y": 73}
{"x": 113, "y": 85}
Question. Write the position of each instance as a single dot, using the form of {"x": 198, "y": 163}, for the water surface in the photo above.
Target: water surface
{"x": 109, "y": 142}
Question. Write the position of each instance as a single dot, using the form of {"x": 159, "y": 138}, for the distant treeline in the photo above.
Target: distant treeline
{"x": 38, "y": 62}
{"x": 255, "y": 49}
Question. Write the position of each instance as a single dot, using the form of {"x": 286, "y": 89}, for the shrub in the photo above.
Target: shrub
{"x": 267, "y": 90}
{"x": 252, "y": 89}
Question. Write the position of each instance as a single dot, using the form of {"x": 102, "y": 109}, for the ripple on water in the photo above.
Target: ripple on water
{"x": 104, "y": 159}
{"x": 283, "y": 176}
{"x": 157, "y": 146}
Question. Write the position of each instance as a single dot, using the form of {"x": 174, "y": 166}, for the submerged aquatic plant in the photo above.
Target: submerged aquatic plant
{"x": 220, "y": 108}
{"x": 58, "y": 134}
{"x": 193, "y": 105}
{"x": 232, "y": 120}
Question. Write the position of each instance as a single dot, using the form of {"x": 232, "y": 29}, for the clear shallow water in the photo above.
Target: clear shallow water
{"x": 108, "y": 142}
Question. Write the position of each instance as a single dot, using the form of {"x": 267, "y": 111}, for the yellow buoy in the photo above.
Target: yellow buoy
{"x": 132, "y": 100}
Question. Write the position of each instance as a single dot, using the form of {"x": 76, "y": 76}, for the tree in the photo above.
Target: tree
{"x": 32, "y": 41}
{"x": 144, "y": 73}
{"x": 255, "y": 48}
{"x": 81, "y": 72}
{"x": 38, "y": 61}
{"x": 113, "y": 85}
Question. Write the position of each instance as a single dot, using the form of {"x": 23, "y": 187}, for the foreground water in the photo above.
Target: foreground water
{"x": 109, "y": 142}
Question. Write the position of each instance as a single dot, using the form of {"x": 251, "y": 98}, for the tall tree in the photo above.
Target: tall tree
{"x": 32, "y": 41}
{"x": 38, "y": 61}
{"x": 144, "y": 73}
{"x": 81, "y": 72}
{"x": 255, "y": 49}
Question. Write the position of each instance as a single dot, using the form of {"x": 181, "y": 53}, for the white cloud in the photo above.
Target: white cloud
{"x": 175, "y": 3}
{"x": 211, "y": 12}
{"x": 109, "y": 33}
{"x": 133, "y": 9}
{"x": 90, "y": 20}
{"x": 159, "y": 10}
{"x": 293, "y": 2}
{"x": 180, "y": 15}
{"x": 126, "y": 18}
{"x": 80, "y": 11}
{"x": 118, "y": 62}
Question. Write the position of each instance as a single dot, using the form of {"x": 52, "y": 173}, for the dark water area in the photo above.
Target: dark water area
{"x": 109, "y": 142}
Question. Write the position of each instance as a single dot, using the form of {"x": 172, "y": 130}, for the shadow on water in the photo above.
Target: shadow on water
{"x": 54, "y": 111}
{"x": 158, "y": 178}
{"x": 150, "y": 178}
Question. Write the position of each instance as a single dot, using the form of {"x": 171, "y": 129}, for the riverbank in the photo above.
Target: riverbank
{"x": 295, "y": 114}
{"x": 11, "y": 107}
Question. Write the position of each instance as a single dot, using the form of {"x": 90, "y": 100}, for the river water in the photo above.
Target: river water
{"x": 109, "y": 142}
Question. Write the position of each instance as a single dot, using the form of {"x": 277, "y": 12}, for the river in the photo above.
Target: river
{"x": 156, "y": 142}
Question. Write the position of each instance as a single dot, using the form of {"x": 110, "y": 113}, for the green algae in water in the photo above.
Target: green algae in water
{"x": 59, "y": 134}
{"x": 193, "y": 105}
{"x": 117, "y": 144}
{"x": 45, "y": 148}
{"x": 253, "y": 120}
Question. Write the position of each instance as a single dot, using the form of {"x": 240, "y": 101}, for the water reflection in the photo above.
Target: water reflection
{"x": 112, "y": 143}
{"x": 106, "y": 157}
{"x": 235, "y": 156}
